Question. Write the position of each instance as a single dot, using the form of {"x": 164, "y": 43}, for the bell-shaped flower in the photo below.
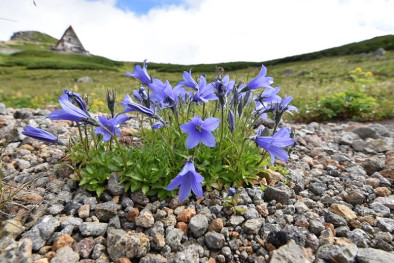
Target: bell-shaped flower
{"x": 205, "y": 92}
{"x": 140, "y": 73}
{"x": 274, "y": 145}
{"x": 164, "y": 95}
{"x": 130, "y": 105}
{"x": 157, "y": 125}
{"x": 200, "y": 131}
{"x": 39, "y": 134}
{"x": 110, "y": 126}
{"x": 75, "y": 98}
{"x": 231, "y": 121}
{"x": 188, "y": 180}
{"x": 284, "y": 106}
{"x": 231, "y": 191}
{"x": 188, "y": 80}
{"x": 260, "y": 81}
{"x": 269, "y": 95}
{"x": 69, "y": 111}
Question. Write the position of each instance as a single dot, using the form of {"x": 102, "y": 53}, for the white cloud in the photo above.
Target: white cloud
{"x": 206, "y": 31}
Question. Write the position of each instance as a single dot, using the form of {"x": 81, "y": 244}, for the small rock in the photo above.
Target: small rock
{"x": 65, "y": 254}
{"x": 385, "y": 224}
{"x": 173, "y": 238}
{"x": 139, "y": 198}
{"x": 145, "y": 219}
{"x": 84, "y": 247}
{"x": 382, "y": 191}
{"x": 114, "y": 187}
{"x": 130, "y": 245}
{"x": 371, "y": 255}
{"x": 198, "y": 225}
{"x": 85, "y": 79}
{"x": 93, "y": 229}
{"x": 214, "y": 240}
{"x": 291, "y": 252}
{"x": 216, "y": 225}
{"x": 252, "y": 226}
{"x": 105, "y": 211}
{"x": 186, "y": 215}
{"x": 84, "y": 211}
{"x": 132, "y": 214}
{"x": 343, "y": 211}
{"x": 62, "y": 241}
{"x": 281, "y": 194}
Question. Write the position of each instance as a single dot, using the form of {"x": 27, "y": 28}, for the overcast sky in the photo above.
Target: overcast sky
{"x": 202, "y": 31}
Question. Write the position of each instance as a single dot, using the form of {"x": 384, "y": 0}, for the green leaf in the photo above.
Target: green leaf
{"x": 145, "y": 189}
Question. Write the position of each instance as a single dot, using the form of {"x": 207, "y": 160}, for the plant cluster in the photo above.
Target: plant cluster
{"x": 199, "y": 134}
{"x": 353, "y": 103}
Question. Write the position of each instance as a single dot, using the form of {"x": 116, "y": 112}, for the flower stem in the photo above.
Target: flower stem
{"x": 83, "y": 141}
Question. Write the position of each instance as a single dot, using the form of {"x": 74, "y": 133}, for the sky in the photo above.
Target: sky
{"x": 201, "y": 31}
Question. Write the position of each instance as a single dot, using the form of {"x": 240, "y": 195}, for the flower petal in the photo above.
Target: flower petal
{"x": 193, "y": 140}
{"x": 197, "y": 188}
{"x": 207, "y": 138}
{"x": 174, "y": 183}
{"x": 186, "y": 187}
{"x": 211, "y": 124}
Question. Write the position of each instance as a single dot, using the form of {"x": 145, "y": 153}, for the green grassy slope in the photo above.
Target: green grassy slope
{"x": 36, "y": 76}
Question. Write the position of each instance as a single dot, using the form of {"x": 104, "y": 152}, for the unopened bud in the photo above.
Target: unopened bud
{"x": 111, "y": 98}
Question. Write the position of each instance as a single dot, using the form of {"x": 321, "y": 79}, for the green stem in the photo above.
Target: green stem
{"x": 83, "y": 141}
{"x": 221, "y": 130}
{"x": 119, "y": 146}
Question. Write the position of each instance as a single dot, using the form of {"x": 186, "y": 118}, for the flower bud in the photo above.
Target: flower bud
{"x": 111, "y": 97}
{"x": 231, "y": 191}
{"x": 231, "y": 121}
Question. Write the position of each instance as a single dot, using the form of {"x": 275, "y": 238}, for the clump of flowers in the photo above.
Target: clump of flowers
{"x": 206, "y": 130}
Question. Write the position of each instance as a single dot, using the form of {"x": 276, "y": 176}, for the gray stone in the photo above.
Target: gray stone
{"x": 345, "y": 254}
{"x": 11, "y": 228}
{"x": 173, "y": 238}
{"x": 55, "y": 209}
{"x": 3, "y": 110}
{"x": 214, "y": 240}
{"x": 65, "y": 254}
{"x": 291, "y": 253}
{"x": 252, "y": 226}
{"x": 85, "y": 79}
{"x": 281, "y": 194}
{"x": 190, "y": 254}
{"x": 198, "y": 225}
{"x": 236, "y": 220}
{"x": 20, "y": 251}
{"x": 153, "y": 258}
{"x": 372, "y": 165}
{"x": 251, "y": 213}
{"x": 318, "y": 188}
{"x": 64, "y": 196}
{"x": 371, "y": 255}
{"x": 381, "y": 209}
{"x": 42, "y": 231}
{"x": 114, "y": 187}
{"x": 359, "y": 237}
{"x": 347, "y": 138}
{"x": 316, "y": 226}
{"x": 114, "y": 222}
{"x": 129, "y": 245}
{"x": 74, "y": 221}
{"x": 385, "y": 224}
{"x": 105, "y": 211}
{"x": 139, "y": 198}
{"x": 98, "y": 250}
{"x": 55, "y": 186}
{"x": 386, "y": 201}
{"x": 335, "y": 219}
{"x": 84, "y": 247}
{"x": 71, "y": 207}
{"x": 93, "y": 229}
{"x": 378, "y": 145}
{"x": 145, "y": 219}
{"x": 366, "y": 132}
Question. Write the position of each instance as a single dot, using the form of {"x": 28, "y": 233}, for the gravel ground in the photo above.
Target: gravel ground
{"x": 337, "y": 206}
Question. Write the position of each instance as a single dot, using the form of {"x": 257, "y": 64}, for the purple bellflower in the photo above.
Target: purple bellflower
{"x": 200, "y": 130}
{"x": 188, "y": 180}
{"x": 284, "y": 106}
{"x": 231, "y": 191}
{"x": 70, "y": 112}
{"x": 188, "y": 80}
{"x": 157, "y": 125}
{"x": 269, "y": 95}
{"x": 110, "y": 125}
{"x": 164, "y": 95}
{"x": 274, "y": 145}
{"x": 140, "y": 73}
{"x": 140, "y": 95}
{"x": 76, "y": 98}
{"x": 205, "y": 92}
{"x": 130, "y": 105}
{"x": 260, "y": 81}
{"x": 39, "y": 134}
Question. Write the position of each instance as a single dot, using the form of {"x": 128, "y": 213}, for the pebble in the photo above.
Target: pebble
{"x": 337, "y": 205}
